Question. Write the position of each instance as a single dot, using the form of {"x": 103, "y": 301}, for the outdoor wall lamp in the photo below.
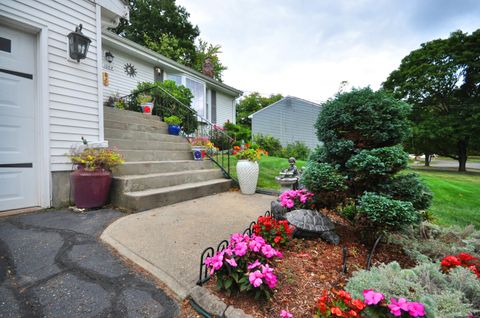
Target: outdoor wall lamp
{"x": 78, "y": 44}
{"x": 109, "y": 56}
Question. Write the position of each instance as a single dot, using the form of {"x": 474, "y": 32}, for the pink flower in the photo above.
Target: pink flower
{"x": 215, "y": 262}
{"x": 253, "y": 265}
{"x": 268, "y": 251}
{"x": 416, "y": 309}
{"x": 231, "y": 261}
{"x": 285, "y": 314}
{"x": 396, "y": 306}
{"x": 240, "y": 249}
{"x": 237, "y": 238}
{"x": 269, "y": 276}
{"x": 371, "y": 297}
{"x": 255, "y": 278}
{"x": 256, "y": 243}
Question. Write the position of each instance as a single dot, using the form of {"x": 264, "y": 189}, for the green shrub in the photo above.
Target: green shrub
{"x": 298, "y": 150}
{"x": 430, "y": 242}
{"x": 408, "y": 187}
{"x": 172, "y": 120}
{"x": 379, "y": 213}
{"x": 378, "y": 161}
{"x": 318, "y": 154}
{"x": 325, "y": 182}
{"x": 238, "y": 132}
{"x": 269, "y": 143}
{"x": 442, "y": 294}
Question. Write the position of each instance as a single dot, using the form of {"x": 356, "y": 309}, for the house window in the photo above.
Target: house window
{"x": 176, "y": 78}
{"x": 198, "y": 91}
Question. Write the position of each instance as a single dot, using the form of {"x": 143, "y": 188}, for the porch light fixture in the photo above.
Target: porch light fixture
{"x": 78, "y": 44}
{"x": 109, "y": 56}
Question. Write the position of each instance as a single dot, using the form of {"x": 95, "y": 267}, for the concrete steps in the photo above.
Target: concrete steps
{"x": 144, "y": 200}
{"x": 159, "y": 168}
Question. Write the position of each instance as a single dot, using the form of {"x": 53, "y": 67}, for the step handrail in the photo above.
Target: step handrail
{"x": 218, "y": 157}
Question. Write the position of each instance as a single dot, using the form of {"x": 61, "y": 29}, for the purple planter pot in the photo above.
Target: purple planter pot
{"x": 90, "y": 188}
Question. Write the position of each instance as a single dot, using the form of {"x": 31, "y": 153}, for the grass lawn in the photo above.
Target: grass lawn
{"x": 456, "y": 198}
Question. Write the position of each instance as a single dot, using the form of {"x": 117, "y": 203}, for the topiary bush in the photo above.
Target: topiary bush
{"x": 383, "y": 214}
{"x": 298, "y": 150}
{"x": 269, "y": 143}
{"x": 443, "y": 295}
{"x": 408, "y": 187}
{"x": 325, "y": 182}
{"x": 362, "y": 132}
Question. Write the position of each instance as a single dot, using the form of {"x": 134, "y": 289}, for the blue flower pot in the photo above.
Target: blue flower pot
{"x": 174, "y": 130}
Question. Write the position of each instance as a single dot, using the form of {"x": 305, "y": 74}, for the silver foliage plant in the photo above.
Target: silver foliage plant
{"x": 455, "y": 294}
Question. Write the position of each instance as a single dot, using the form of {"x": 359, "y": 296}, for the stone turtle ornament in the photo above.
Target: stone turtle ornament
{"x": 310, "y": 224}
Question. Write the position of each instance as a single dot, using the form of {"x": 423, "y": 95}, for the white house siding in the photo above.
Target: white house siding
{"x": 291, "y": 119}
{"x": 73, "y": 92}
{"x": 225, "y": 108}
{"x": 120, "y": 82}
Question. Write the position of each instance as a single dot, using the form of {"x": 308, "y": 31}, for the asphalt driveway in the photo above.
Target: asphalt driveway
{"x": 52, "y": 264}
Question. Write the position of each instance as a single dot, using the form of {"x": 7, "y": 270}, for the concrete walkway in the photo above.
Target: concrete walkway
{"x": 168, "y": 241}
{"x": 53, "y": 265}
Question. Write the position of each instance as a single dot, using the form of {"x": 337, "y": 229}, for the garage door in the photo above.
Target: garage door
{"x": 18, "y": 187}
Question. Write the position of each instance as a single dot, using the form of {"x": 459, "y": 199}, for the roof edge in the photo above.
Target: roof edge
{"x": 286, "y": 97}
{"x": 112, "y": 37}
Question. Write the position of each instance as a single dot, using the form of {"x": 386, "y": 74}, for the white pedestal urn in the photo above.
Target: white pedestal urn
{"x": 247, "y": 172}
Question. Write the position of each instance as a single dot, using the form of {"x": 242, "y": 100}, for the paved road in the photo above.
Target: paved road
{"x": 53, "y": 265}
{"x": 438, "y": 163}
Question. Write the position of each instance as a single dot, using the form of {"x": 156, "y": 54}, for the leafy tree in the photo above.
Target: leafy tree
{"x": 206, "y": 51}
{"x": 441, "y": 80}
{"x": 252, "y": 103}
{"x": 157, "y": 21}
{"x": 164, "y": 27}
{"x": 361, "y": 133}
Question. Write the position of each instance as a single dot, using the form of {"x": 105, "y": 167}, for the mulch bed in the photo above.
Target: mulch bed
{"x": 308, "y": 267}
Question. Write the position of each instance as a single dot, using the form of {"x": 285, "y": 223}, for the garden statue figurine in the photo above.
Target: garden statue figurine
{"x": 288, "y": 178}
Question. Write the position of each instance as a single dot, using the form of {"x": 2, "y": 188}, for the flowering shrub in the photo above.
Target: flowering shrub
{"x": 341, "y": 304}
{"x": 298, "y": 199}
{"x": 335, "y": 303}
{"x": 92, "y": 159}
{"x": 201, "y": 142}
{"x": 464, "y": 260}
{"x": 275, "y": 233}
{"x": 244, "y": 265}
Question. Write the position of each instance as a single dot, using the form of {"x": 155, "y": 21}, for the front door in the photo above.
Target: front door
{"x": 18, "y": 184}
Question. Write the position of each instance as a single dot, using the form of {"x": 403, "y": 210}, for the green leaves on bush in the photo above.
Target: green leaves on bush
{"x": 269, "y": 143}
{"x": 377, "y": 162}
{"x": 380, "y": 213}
{"x": 369, "y": 119}
{"x": 442, "y": 294}
{"x": 327, "y": 184}
{"x": 408, "y": 187}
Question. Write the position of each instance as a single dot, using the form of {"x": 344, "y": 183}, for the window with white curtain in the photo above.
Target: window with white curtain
{"x": 176, "y": 78}
{"x": 198, "y": 91}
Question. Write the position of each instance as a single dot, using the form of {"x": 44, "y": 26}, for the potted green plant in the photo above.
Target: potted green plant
{"x": 199, "y": 147}
{"x": 248, "y": 169}
{"x": 146, "y": 103}
{"x": 173, "y": 123}
{"x": 93, "y": 175}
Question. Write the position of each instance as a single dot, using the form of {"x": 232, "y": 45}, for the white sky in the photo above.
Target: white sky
{"x": 305, "y": 48}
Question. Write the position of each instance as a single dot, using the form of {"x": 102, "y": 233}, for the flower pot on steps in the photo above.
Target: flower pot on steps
{"x": 247, "y": 173}
{"x": 198, "y": 152}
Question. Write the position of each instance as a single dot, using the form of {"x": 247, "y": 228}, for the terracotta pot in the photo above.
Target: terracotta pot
{"x": 247, "y": 173}
{"x": 90, "y": 188}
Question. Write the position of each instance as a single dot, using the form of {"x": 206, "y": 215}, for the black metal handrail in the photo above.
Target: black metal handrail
{"x": 194, "y": 125}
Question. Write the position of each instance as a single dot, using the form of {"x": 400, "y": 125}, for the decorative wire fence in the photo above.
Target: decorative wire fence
{"x": 194, "y": 127}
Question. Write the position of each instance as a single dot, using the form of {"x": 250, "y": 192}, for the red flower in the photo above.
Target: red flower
{"x": 336, "y": 311}
{"x": 466, "y": 259}
{"x": 344, "y": 295}
{"x": 358, "y": 304}
{"x": 449, "y": 262}
{"x": 146, "y": 109}
{"x": 353, "y": 313}
{"x": 277, "y": 239}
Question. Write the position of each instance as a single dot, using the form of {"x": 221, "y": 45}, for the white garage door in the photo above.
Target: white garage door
{"x": 18, "y": 187}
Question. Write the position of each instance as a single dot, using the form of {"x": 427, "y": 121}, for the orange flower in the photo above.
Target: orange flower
{"x": 353, "y": 313}
{"x": 336, "y": 311}
{"x": 357, "y": 303}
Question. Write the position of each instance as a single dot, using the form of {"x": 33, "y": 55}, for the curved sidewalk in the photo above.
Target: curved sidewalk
{"x": 168, "y": 241}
